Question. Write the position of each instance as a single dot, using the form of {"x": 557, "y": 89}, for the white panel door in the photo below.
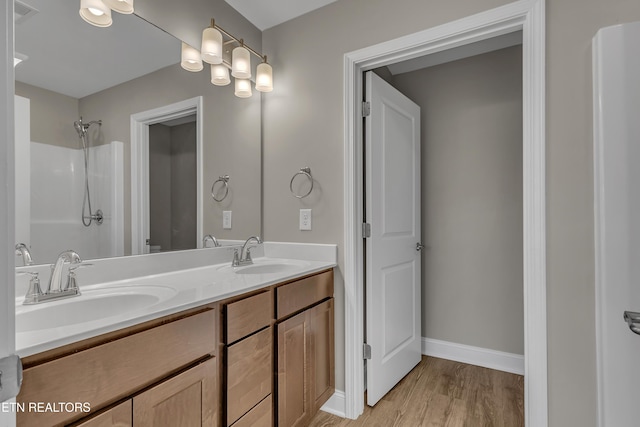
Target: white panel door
{"x": 617, "y": 221}
{"x": 392, "y": 140}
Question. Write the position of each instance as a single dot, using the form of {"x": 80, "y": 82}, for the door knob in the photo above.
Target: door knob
{"x": 419, "y": 246}
{"x": 633, "y": 320}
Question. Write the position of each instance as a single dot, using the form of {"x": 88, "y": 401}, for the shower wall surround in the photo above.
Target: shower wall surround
{"x": 54, "y": 214}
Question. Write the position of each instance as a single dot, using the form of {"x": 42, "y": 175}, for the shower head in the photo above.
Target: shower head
{"x": 82, "y": 128}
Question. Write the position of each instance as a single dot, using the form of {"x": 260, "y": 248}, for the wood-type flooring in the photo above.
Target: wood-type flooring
{"x": 439, "y": 392}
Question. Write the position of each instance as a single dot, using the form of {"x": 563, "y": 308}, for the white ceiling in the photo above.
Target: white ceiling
{"x": 266, "y": 14}
{"x": 69, "y": 56}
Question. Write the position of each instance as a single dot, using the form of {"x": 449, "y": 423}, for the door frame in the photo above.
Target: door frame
{"x": 140, "y": 123}
{"x": 7, "y": 193}
{"x": 527, "y": 16}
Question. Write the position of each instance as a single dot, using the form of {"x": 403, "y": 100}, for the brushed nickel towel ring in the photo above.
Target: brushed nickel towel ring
{"x": 306, "y": 172}
{"x": 224, "y": 179}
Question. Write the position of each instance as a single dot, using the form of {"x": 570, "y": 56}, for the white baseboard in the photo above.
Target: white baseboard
{"x": 501, "y": 361}
{"x": 336, "y": 404}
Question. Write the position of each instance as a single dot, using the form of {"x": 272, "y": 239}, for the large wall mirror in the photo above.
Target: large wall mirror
{"x": 126, "y": 83}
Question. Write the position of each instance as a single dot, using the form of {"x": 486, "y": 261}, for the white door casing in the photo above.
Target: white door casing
{"x": 616, "y": 67}
{"x": 529, "y": 17}
{"x": 393, "y": 213}
{"x": 7, "y": 191}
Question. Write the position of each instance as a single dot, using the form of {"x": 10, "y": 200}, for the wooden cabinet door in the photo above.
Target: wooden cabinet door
{"x": 249, "y": 373}
{"x": 322, "y": 360}
{"x": 186, "y": 400}
{"x": 294, "y": 406}
{"x": 118, "y": 416}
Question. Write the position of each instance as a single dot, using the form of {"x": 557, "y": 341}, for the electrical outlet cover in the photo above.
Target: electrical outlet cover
{"x": 226, "y": 220}
{"x": 305, "y": 219}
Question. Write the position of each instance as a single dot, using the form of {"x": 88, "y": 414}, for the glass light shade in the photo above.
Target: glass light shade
{"x": 211, "y": 46}
{"x": 243, "y": 88}
{"x": 120, "y": 6}
{"x": 220, "y": 75}
{"x": 241, "y": 63}
{"x": 191, "y": 60}
{"x": 264, "y": 77}
{"x": 95, "y": 12}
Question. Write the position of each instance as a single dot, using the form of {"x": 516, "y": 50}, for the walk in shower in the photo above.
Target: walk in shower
{"x": 62, "y": 176}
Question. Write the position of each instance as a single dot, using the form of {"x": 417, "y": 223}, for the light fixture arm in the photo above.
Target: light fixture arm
{"x": 237, "y": 40}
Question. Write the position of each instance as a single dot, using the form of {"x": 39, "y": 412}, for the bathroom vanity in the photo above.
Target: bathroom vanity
{"x": 255, "y": 347}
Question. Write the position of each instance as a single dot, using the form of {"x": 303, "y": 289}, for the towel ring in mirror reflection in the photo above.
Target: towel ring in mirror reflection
{"x": 224, "y": 180}
{"x": 306, "y": 172}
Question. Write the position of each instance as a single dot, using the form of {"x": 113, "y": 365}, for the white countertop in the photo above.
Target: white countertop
{"x": 174, "y": 291}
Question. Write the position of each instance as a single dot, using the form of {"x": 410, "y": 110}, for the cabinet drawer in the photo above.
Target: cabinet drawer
{"x": 111, "y": 371}
{"x": 247, "y": 316}
{"x": 260, "y": 416}
{"x": 296, "y": 296}
{"x": 249, "y": 373}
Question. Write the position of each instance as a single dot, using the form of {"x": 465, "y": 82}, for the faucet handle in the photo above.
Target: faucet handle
{"x": 34, "y": 292}
{"x": 72, "y": 280}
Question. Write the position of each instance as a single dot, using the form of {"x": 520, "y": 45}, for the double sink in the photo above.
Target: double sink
{"x": 109, "y": 306}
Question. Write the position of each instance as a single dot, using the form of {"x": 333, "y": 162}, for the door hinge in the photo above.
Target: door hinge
{"x": 366, "y": 108}
{"x": 10, "y": 377}
{"x": 366, "y": 351}
{"x": 366, "y": 230}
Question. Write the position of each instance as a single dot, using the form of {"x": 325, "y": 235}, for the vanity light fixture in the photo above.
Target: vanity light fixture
{"x": 95, "y": 12}
{"x": 243, "y": 88}
{"x": 98, "y": 12}
{"x": 211, "y": 49}
{"x": 215, "y": 49}
{"x": 264, "y": 76}
{"x": 191, "y": 60}
{"x": 220, "y": 75}
{"x": 241, "y": 62}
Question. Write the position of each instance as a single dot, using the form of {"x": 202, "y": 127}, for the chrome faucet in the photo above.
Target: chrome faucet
{"x": 210, "y": 238}
{"x": 55, "y": 282}
{"x": 23, "y": 251}
{"x": 55, "y": 290}
{"x": 244, "y": 258}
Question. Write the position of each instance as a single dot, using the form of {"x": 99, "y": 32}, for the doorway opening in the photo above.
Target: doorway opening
{"x": 526, "y": 16}
{"x": 172, "y": 185}
{"x": 461, "y": 294}
{"x": 186, "y": 117}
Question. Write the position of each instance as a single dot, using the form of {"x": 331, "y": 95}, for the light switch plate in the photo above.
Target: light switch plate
{"x": 305, "y": 219}
{"x": 226, "y": 220}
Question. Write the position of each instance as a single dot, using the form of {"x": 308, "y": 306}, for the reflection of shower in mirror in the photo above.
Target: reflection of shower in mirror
{"x": 82, "y": 129}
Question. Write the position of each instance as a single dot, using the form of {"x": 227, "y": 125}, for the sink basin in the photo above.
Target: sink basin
{"x": 267, "y": 266}
{"x": 92, "y": 305}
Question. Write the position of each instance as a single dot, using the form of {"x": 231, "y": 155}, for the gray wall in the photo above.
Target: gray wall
{"x": 183, "y": 186}
{"x": 303, "y": 125}
{"x": 232, "y": 140}
{"x": 172, "y": 186}
{"x": 52, "y": 116}
{"x": 471, "y": 114}
{"x": 160, "y": 186}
